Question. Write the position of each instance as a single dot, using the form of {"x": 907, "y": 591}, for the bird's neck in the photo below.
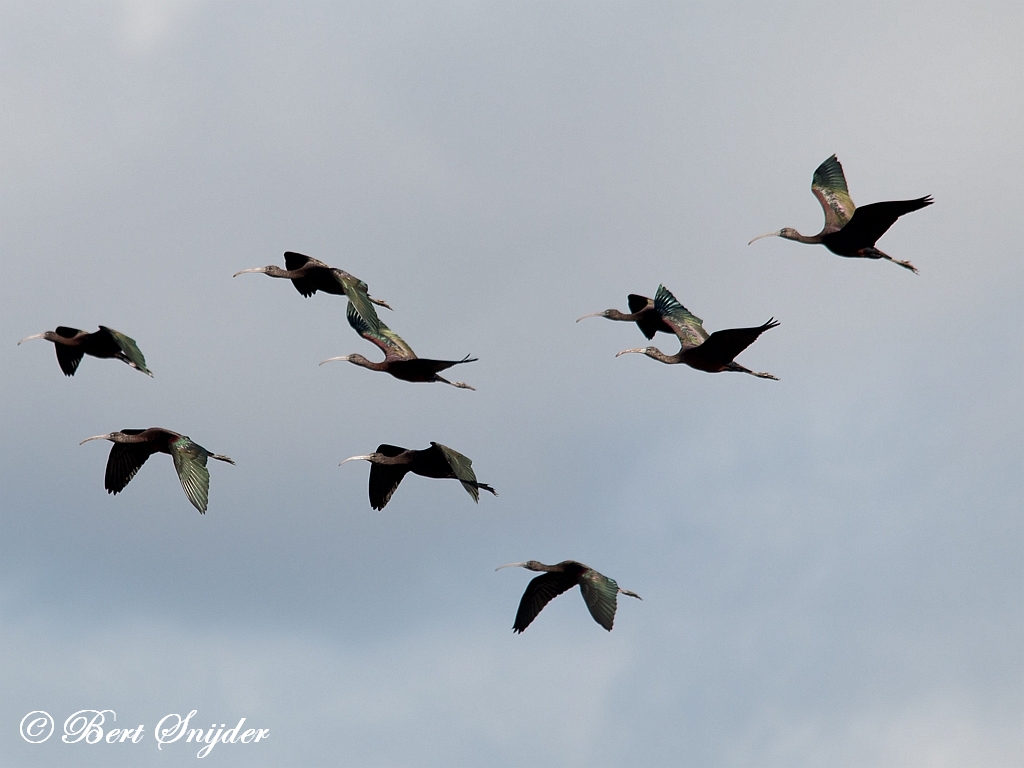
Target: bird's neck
{"x": 661, "y": 357}
{"x": 809, "y": 239}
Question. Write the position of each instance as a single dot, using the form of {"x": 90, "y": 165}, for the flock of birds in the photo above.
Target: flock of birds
{"x": 849, "y": 231}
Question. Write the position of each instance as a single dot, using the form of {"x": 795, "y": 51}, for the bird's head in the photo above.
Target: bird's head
{"x": 530, "y": 565}
{"x": 357, "y": 359}
{"x": 787, "y": 232}
{"x": 637, "y": 350}
{"x": 270, "y": 269}
{"x": 49, "y": 336}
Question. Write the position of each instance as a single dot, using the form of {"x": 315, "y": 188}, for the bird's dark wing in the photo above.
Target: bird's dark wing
{"x": 539, "y": 592}
{"x": 389, "y": 342}
{"x": 723, "y": 346}
{"x": 124, "y": 462}
{"x": 829, "y": 186}
{"x": 190, "y": 462}
{"x": 68, "y": 358}
{"x": 649, "y": 323}
{"x": 462, "y": 466}
{"x": 293, "y": 261}
{"x": 384, "y": 480}
{"x": 600, "y": 594}
{"x": 687, "y": 326}
{"x": 872, "y": 221}
{"x": 128, "y": 348}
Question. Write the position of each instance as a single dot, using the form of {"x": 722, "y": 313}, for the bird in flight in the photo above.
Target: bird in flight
{"x": 599, "y": 592}
{"x": 131, "y": 448}
{"x": 390, "y": 463}
{"x": 850, "y": 231}
{"x": 711, "y": 353}
{"x": 641, "y": 312}
{"x": 399, "y": 359}
{"x": 71, "y": 344}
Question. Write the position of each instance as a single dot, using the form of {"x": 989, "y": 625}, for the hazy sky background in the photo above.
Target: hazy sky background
{"x": 832, "y": 565}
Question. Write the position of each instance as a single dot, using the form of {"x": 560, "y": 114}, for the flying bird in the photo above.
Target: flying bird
{"x": 641, "y": 312}
{"x": 71, "y": 344}
{"x": 391, "y": 463}
{"x": 399, "y": 359}
{"x": 850, "y": 231}
{"x": 697, "y": 349}
{"x": 131, "y": 448}
{"x": 599, "y": 592}
{"x": 310, "y": 275}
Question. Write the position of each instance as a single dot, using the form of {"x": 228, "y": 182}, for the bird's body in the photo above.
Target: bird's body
{"x": 390, "y": 463}
{"x": 851, "y": 231}
{"x": 310, "y": 275}
{"x": 71, "y": 344}
{"x": 641, "y": 312}
{"x": 712, "y": 353}
{"x": 599, "y": 591}
{"x": 399, "y": 359}
{"x": 132, "y": 447}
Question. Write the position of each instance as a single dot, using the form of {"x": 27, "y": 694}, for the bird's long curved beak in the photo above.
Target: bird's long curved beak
{"x": 355, "y": 458}
{"x": 777, "y": 233}
{"x": 592, "y": 314}
{"x": 627, "y": 351}
{"x": 96, "y": 437}
{"x": 343, "y": 358}
{"x": 34, "y": 336}
{"x": 254, "y": 269}
{"x": 511, "y": 565}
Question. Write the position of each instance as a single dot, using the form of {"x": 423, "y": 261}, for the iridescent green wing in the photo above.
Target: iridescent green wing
{"x": 129, "y": 348}
{"x": 600, "y": 594}
{"x": 687, "y": 326}
{"x": 829, "y": 186}
{"x": 462, "y": 466}
{"x": 190, "y": 462}
{"x": 390, "y": 343}
{"x": 357, "y": 292}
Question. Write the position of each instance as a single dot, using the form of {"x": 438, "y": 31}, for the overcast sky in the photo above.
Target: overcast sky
{"x": 832, "y": 565}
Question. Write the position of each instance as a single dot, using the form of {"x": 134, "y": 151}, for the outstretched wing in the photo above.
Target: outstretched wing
{"x": 389, "y": 342}
{"x": 872, "y": 221}
{"x": 462, "y": 466}
{"x": 68, "y": 358}
{"x": 723, "y": 346}
{"x": 124, "y": 462}
{"x": 293, "y": 261}
{"x": 128, "y": 348}
{"x": 649, "y": 323}
{"x": 829, "y": 186}
{"x": 190, "y": 462}
{"x": 384, "y": 479}
{"x": 687, "y": 326}
{"x": 600, "y": 594}
{"x": 539, "y": 592}
{"x": 356, "y": 290}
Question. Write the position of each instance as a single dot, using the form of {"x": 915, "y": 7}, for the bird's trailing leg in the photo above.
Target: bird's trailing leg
{"x": 631, "y": 594}
{"x": 874, "y": 253}
{"x": 221, "y": 457}
{"x": 459, "y": 384}
{"x": 734, "y": 366}
{"x": 380, "y": 303}
{"x": 482, "y": 487}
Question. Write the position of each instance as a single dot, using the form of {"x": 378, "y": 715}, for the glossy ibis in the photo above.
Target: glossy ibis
{"x": 131, "y": 448}
{"x": 71, "y": 344}
{"x": 310, "y": 275}
{"x": 697, "y": 349}
{"x": 399, "y": 359}
{"x": 599, "y": 592}
{"x": 641, "y": 312}
{"x": 850, "y": 231}
{"x": 391, "y": 463}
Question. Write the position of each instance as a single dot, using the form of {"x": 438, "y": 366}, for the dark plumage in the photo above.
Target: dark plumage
{"x": 71, "y": 344}
{"x": 390, "y": 463}
{"x": 850, "y": 231}
{"x": 641, "y": 312}
{"x": 599, "y": 592}
{"x": 132, "y": 447}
